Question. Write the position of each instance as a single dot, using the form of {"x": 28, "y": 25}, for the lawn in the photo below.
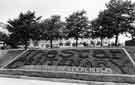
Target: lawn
{"x": 7, "y": 55}
{"x": 131, "y": 51}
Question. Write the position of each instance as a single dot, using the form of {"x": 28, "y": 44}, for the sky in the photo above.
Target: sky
{"x": 10, "y": 9}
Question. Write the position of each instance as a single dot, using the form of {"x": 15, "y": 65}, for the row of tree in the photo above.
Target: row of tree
{"x": 116, "y": 19}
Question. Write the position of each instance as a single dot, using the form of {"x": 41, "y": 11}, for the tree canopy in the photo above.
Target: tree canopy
{"x": 51, "y": 28}
{"x": 116, "y": 19}
{"x": 22, "y": 29}
{"x": 77, "y": 24}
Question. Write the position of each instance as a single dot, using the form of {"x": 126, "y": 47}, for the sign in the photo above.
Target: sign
{"x": 46, "y": 68}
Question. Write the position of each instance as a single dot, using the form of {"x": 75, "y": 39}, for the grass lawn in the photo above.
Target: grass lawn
{"x": 131, "y": 51}
{"x": 7, "y": 55}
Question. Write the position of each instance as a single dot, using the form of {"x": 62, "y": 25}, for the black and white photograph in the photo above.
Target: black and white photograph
{"x": 67, "y": 42}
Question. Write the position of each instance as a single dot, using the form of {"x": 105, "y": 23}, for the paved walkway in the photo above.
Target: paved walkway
{"x": 14, "y": 81}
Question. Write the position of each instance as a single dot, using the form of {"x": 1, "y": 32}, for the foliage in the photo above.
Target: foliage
{"x": 85, "y": 44}
{"x": 132, "y": 31}
{"x": 61, "y": 44}
{"x": 22, "y": 29}
{"x": 68, "y": 43}
{"x": 99, "y": 29}
{"x": 115, "y": 59}
{"x": 51, "y": 28}
{"x": 119, "y": 16}
{"x": 77, "y": 25}
{"x": 3, "y": 37}
{"x": 114, "y": 20}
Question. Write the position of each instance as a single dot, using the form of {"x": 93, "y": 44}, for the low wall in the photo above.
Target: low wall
{"x": 42, "y": 68}
{"x": 77, "y": 76}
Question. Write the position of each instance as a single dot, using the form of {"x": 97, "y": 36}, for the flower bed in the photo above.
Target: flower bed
{"x": 115, "y": 59}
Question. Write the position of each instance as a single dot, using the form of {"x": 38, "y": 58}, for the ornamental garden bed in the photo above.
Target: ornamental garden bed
{"x": 35, "y": 62}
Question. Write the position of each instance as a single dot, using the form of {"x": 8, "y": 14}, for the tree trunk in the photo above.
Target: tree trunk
{"x": 51, "y": 43}
{"x": 116, "y": 39}
{"x": 101, "y": 44}
{"x": 76, "y": 42}
{"x": 25, "y": 45}
{"x": 132, "y": 37}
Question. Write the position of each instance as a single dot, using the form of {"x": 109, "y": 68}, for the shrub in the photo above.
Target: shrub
{"x": 61, "y": 44}
{"x": 85, "y": 44}
{"x": 73, "y": 44}
{"x": 67, "y": 43}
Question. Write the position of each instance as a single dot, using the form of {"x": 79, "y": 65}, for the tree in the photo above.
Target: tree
{"x": 22, "y": 29}
{"x": 51, "y": 28}
{"x": 77, "y": 23}
{"x": 132, "y": 31}
{"x": 118, "y": 17}
{"x": 99, "y": 29}
{"x": 3, "y": 37}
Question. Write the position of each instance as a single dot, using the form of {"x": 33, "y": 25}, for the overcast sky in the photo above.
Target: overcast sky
{"x": 10, "y": 9}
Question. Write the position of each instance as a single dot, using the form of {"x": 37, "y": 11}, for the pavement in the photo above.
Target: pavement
{"x": 14, "y": 81}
